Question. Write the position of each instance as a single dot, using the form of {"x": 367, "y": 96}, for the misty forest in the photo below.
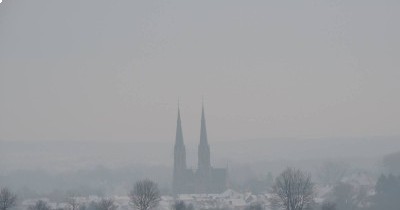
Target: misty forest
{"x": 199, "y": 105}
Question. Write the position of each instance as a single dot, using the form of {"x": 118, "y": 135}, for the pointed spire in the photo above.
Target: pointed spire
{"x": 179, "y": 157}
{"x": 203, "y": 129}
{"x": 204, "y": 164}
{"x": 179, "y": 134}
{"x": 179, "y": 113}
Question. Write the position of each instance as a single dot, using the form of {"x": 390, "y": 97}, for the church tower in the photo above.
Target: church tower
{"x": 179, "y": 158}
{"x": 204, "y": 164}
{"x": 205, "y": 179}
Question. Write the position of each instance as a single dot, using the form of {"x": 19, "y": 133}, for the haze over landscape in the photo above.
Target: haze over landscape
{"x": 89, "y": 91}
{"x": 98, "y": 70}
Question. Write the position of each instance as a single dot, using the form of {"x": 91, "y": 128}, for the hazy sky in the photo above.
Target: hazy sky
{"x": 113, "y": 70}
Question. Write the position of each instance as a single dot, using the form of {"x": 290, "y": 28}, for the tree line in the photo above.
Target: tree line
{"x": 145, "y": 195}
{"x": 293, "y": 189}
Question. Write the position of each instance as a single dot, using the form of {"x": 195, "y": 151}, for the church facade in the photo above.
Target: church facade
{"x": 205, "y": 179}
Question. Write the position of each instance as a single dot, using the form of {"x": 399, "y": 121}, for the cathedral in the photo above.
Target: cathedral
{"x": 205, "y": 179}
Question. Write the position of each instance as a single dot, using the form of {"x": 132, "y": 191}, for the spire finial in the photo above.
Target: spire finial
{"x": 179, "y": 111}
{"x": 178, "y": 104}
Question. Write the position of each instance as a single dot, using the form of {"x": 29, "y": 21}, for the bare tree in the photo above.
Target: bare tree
{"x": 7, "y": 199}
{"x": 39, "y": 205}
{"x": 145, "y": 195}
{"x": 106, "y": 204}
{"x": 292, "y": 190}
{"x": 73, "y": 203}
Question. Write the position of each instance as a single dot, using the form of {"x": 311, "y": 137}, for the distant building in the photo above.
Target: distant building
{"x": 205, "y": 179}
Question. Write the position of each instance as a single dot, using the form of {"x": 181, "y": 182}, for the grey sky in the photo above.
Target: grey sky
{"x": 113, "y": 70}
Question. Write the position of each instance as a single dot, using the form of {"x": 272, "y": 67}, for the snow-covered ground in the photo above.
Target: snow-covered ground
{"x": 230, "y": 199}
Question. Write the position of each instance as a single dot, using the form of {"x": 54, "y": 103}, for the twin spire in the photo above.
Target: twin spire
{"x": 203, "y": 129}
{"x": 203, "y": 147}
{"x": 205, "y": 179}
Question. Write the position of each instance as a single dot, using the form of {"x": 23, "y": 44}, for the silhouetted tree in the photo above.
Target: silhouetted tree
{"x": 292, "y": 190}
{"x": 7, "y": 199}
{"x": 106, "y": 204}
{"x": 145, "y": 195}
{"x": 39, "y": 205}
{"x": 73, "y": 203}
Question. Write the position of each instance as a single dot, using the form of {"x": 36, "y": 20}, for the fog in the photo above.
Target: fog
{"x": 98, "y": 70}
{"x": 105, "y": 167}
{"x": 90, "y": 91}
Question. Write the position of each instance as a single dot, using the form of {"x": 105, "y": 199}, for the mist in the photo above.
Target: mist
{"x": 90, "y": 92}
